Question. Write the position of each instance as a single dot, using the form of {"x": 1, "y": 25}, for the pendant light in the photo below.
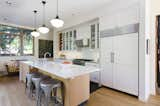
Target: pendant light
{"x": 57, "y": 22}
{"x": 35, "y": 33}
{"x": 43, "y": 29}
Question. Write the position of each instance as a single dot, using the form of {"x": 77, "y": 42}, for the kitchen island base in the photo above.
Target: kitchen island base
{"x": 76, "y": 90}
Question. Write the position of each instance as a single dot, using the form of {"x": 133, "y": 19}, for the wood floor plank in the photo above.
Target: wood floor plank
{"x": 12, "y": 93}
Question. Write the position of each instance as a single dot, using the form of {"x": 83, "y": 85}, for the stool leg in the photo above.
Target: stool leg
{"x": 37, "y": 96}
{"x": 55, "y": 94}
{"x": 26, "y": 86}
{"x": 29, "y": 86}
{"x": 62, "y": 93}
{"x": 47, "y": 96}
{"x": 37, "y": 86}
{"x": 40, "y": 97}
{"x": 29, "y": 90}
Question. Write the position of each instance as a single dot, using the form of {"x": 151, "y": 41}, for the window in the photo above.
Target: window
{"x": 28, "y": 43}
{"x": 15, "y": 41}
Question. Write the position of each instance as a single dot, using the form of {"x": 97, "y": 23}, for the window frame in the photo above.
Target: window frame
{"x": 22, "y": 47}
{"x": 21, "y": 35}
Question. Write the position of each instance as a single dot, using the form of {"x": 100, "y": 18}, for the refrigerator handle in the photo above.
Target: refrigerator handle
{"x": 112, "y": 57}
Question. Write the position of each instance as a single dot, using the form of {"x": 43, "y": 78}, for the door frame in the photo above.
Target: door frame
{"x": 156, "y": 53}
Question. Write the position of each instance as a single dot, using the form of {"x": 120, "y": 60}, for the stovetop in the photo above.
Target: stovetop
{"x": 81, "y": 61}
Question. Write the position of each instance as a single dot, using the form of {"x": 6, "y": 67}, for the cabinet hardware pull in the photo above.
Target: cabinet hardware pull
{"x": 112, "y": 57}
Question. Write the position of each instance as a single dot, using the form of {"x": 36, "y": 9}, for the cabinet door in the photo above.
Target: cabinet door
{"x": 63, "y": 41}
{"x": 93, "y": 35}
{"x": 74, "y": 39}
{"x": 126, "y": 63}
{"x": 67, "y": 41}
{"x": 97, "y": 43}
{"x": 70, "y": 40}
{"x": 94, "y": 77}
{"x": 106, "y": 64}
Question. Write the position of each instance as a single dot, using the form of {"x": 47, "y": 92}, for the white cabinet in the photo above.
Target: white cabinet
{"x": 94, "y": 43}
{"x": 94, "y": 77}
{"x": 67, "y": 41}
{"x": 24, "y": 69}
{"x": 126, "y": 63}
{"x": 106, "y": 64}
{"x": 119, "y": 62}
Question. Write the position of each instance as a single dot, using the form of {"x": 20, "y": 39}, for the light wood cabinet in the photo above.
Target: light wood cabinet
{"x": 119, "y": 62}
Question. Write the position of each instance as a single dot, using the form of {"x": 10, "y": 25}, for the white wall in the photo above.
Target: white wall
{"x": 144, "y": 59}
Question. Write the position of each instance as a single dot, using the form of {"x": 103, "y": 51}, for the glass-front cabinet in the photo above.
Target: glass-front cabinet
{"x": 74, "y": 39}
{"x": 90, "y": 32}
{"x": 67, "y": 46}
{"x": 67, "y": 41}
{"x": 94, "y": 35}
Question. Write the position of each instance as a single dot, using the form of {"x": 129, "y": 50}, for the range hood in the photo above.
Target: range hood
{"x": 82, "y": 43}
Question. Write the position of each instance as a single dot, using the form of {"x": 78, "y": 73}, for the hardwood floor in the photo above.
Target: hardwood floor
{"x": 12, "y": 93}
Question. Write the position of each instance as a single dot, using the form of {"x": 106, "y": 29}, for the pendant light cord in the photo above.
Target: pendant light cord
{"x": 44, "y": 14}
{"x": 35, "y": 18}
{"x": 57, "y": 8}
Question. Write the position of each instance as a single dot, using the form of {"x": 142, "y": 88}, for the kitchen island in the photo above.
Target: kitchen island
{"x": 75, "y": 78}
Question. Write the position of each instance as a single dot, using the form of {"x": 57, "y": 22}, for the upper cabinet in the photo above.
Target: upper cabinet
{"x": 94, "y": 36}
{"x": 67, "y": 41}
{"x": 87, "y": 33}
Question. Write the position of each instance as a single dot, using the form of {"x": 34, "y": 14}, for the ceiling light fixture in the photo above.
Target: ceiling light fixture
{"x": 35, "y": 33}
{"x": 9, "y": 3}
{"x": 43, "y": 29}
{"x": 57, "y": 22}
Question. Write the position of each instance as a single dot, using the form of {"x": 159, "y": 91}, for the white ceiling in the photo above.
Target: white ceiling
{"x": 20, "y": 11}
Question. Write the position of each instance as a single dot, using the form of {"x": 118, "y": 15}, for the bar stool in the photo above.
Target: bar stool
{"x": 47, "y": 87}
{"x": 36, "y": 82}
{"x": 29, "y": 84}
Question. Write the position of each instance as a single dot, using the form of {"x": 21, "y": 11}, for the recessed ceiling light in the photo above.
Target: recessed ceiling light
{"x": 9, "y": 3}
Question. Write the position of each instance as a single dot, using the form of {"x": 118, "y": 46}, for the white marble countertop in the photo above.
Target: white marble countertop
{"x": 66, "y": 71}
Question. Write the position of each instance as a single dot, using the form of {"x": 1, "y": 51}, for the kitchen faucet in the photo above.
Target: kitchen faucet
{"x": 47, "y": 53}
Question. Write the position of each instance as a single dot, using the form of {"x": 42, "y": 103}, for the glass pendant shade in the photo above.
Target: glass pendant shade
{"x": 43, "y": 29}
{"x": 57, "y": 22}
{"x": 35, "y": 33}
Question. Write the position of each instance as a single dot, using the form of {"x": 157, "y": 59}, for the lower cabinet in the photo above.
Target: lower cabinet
{"x": 94, "y": 77}
{"x": 119, "y": 63}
